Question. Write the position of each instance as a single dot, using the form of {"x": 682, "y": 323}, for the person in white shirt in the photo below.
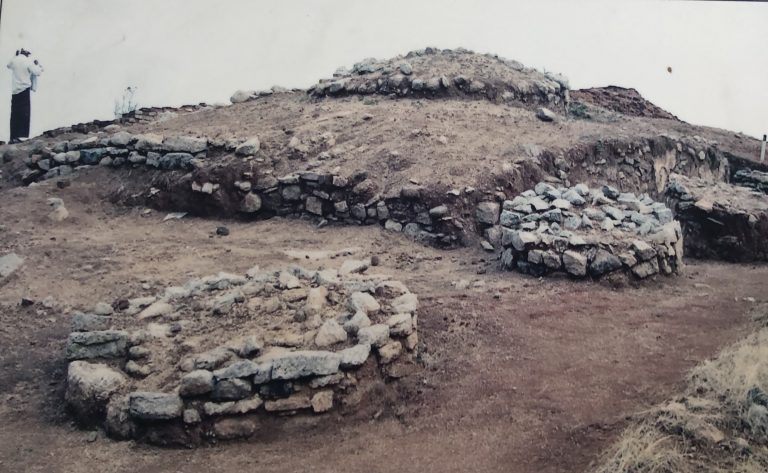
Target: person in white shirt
{"x": 24, "y": 72}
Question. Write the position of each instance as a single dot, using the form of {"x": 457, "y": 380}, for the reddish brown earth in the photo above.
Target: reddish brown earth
{"x": 622, "y": 100}
{"x": 539, "y": 379}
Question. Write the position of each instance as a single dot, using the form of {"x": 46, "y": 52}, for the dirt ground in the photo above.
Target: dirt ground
{"x": 454, "y": 143}
{"x": 519, "y": 374}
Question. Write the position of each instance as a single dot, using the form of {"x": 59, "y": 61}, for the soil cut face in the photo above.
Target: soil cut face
{"x": 516, "y": 374}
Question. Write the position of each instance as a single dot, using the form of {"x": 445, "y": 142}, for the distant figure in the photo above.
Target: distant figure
{"x": 24, "y": 72}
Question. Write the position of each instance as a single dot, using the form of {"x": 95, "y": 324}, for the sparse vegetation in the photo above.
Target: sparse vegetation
{"x": 579, "y": 110}
{"x": 126, "y": 103}
{"x": 720, "y": 424}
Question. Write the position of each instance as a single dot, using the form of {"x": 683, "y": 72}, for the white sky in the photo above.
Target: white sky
{"x": 190, "y": 51}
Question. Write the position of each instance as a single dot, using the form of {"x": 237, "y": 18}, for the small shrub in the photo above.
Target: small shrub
{"x": 126, "y": 103}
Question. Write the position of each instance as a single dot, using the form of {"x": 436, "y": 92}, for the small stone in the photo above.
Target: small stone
{"x": 231, "y": 389}
{"x": 102, "y": 308}
{"x": 361, "y": 301}
{"x": 191, "y": 416}
{"x": 354, "y": 356}
{"x": 154, "y": 406}
{"x": 330, "y": 333}
{"x": 251, "y": 203}
{"x": 407, "y": 302}
{"x": 376, "y": 335}
{"x": 488, "y": 213}
{"x": 411, "y": 341}
{"x": 390, "y": 352}
{"x": 356, "y": 322}
{"x": 545, "y": 114}
{"x": 249, "y": 148}
{"x": 322, "y": 401}
{"x": 400, "y": 324}
{"x": 157, "y": 309}
{"x": 575, "y": 263}
{"x": 196, "y": 383}
{"x": 292, "y": 403}
{"x": 643, "y": 250}
{"x": 604, "y": 262}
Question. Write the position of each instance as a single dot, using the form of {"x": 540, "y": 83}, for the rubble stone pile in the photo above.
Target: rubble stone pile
{"x": 720, "y": 220}
{"x": 210, "y": 359}
{"x": 583, "y": 232}
{"x": 433, "y": 72}
{"x": 757, "y": 180}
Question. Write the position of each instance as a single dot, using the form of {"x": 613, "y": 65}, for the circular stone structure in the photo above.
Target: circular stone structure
{"x": 221, "y": 355}
{"x": 583, "y": 232}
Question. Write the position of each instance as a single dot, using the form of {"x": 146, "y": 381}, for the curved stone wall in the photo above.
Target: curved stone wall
{"x": 583, "y": 232}
{"x": 207, "y": 360}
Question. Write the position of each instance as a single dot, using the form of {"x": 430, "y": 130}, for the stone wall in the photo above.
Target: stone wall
{"x": 433, "y": 72}
{"x": 582, "y": 232}
{"x": 720, "y": 221}
{"x": 641, "y": 166}
{"x": 254, "y": 193}
{"x": 211, "y": 359}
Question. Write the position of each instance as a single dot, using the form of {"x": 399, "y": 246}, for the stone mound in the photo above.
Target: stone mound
{"x": 432, "y": 72}
{"x": 211, "y": 359}
{"x": 583, "y": 232}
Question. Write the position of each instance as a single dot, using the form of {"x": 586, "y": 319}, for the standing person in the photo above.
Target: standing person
{"x": 24, "y": 72}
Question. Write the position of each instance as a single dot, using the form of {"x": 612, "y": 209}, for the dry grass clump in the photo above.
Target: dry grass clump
{"x": 643, "y": 449}
{"x": 720, "y": 425}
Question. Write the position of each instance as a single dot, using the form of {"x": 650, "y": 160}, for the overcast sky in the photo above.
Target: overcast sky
{"x": 190, "y": 51}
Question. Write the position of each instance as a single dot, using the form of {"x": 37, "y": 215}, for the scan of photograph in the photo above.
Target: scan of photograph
{"x": 334, "y": 236}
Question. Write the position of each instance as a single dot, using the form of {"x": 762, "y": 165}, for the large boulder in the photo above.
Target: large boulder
{"x": 89, "y": 388}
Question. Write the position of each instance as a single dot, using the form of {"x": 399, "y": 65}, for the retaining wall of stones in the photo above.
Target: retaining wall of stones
{"x": 640, "y": 166}
{"x": 720, "y": 221}
{"x": 255, "y": 192}
{"x": 218, "y": 357}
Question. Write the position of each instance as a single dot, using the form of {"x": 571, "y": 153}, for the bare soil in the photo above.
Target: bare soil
{"x": 480, "y": 136}
{"x": 518, "y": 374}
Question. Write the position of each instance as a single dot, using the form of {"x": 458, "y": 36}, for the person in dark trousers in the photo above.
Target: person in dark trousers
{"x": 24, "y": 72}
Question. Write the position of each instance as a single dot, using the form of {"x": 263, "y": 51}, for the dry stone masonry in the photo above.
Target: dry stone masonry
{"x": 720, "y": 220}
{"x": 354, "y": 199}
{"x": 583, "y": 232}
{"x": 212, "y": 359}
{"x": 433, "y": 72}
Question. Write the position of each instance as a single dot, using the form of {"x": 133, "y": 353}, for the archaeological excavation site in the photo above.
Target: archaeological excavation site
{"x": 443, "y": 261}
